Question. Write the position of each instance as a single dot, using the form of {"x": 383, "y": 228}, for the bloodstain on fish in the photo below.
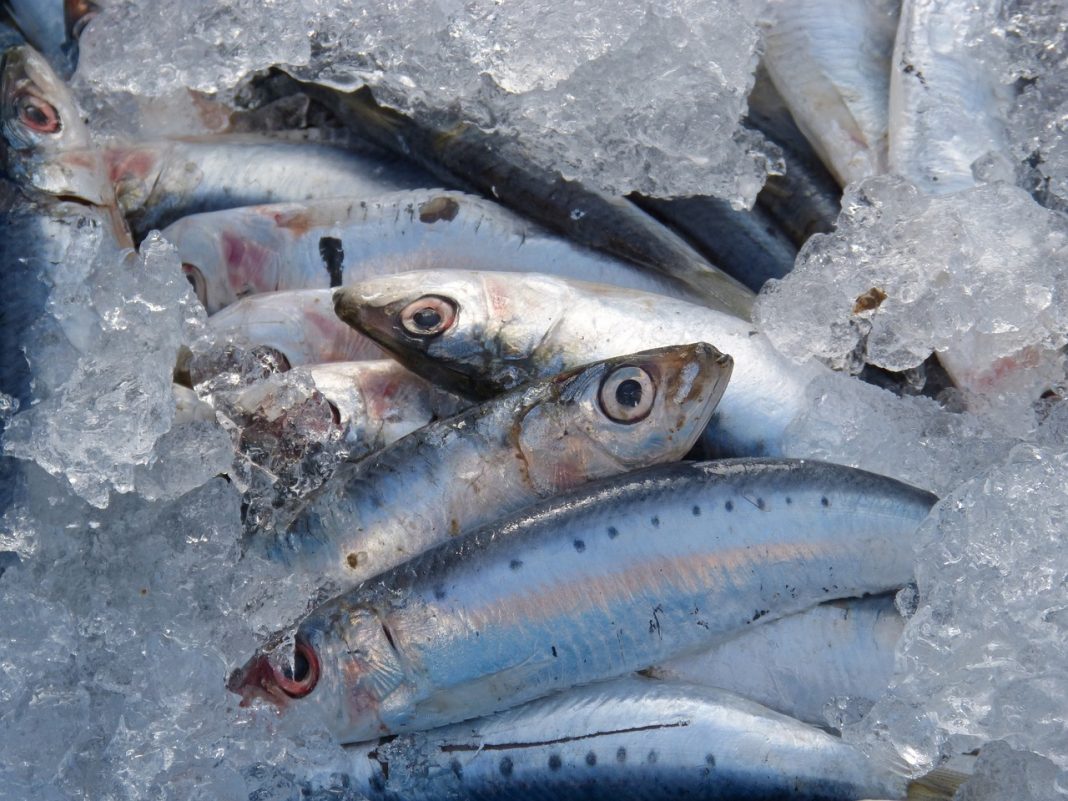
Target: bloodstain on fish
{"x": 245, "y": 261}
{"x": 439, "y": 208}
{"x": 124, "y": 164}
{"x": 333, "y": 256}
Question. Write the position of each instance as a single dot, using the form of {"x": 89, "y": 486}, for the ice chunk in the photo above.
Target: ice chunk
{"x": 624, "y": 97}
{"x": 1000, "y": 773}
{"x": 115, "y": 322}
{"x": 983, "y": 657}
{"x": 981, "y": 272}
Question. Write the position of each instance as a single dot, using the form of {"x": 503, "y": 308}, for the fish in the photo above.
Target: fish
{"x": 466, "y": 157}
{"x": 534, "y": 442}
{"x": 616, "y": 577}
{"x": 628, "y": 738}
{"x": 299, "y": 324}
{"x": 830, "y": 61}
{"x": 41, "y": 22}
{"x": 802, "y": 664}
{"x": 508, "y": 329}
{"x": 947, "y": 103}
{"x": 333, "y": 242}
{"x": 159, "y": 182}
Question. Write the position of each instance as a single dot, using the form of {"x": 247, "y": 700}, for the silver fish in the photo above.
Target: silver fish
{"x": 159, "y": 182}
{"x": 627, "y": 738}
{"x": 803, "y": 664}
{"x": 947, "y": 105}
{"x": 830, "y": 61}
{"x": 334, "y": 242}
{"x": 300, "y": 324}
{"x": 508, "y": 329}
{"x": 508, "y": 453}
{"x": 589, "y": 586}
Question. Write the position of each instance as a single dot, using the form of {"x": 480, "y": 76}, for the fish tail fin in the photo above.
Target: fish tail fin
{"x": 942, "y": 783}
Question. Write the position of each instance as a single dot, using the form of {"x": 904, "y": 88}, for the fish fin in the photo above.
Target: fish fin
{"x": 941, "y": 784}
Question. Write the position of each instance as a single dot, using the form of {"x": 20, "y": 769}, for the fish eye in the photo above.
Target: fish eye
{"x": 37, "y": 115}
{"x": 429, "y": 316}
{"x": 196, "y": 280}
{"x": 627, "y": 394}
{"x": 299, "y": 678}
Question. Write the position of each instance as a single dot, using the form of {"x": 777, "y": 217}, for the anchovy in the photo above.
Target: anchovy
{"x": 335, "y": 242}
{"x": 629, "y": 739}
{"x": 159, "y": 182}
{"x": 300, "y": 324}
{"x": 830, "y": 61}
{"x": 508, "y": 329}
{"x": 802, "y": 664}
{"x": 510, "y": 452}
{"x": 589, "y": 586}
{"x": 466, "y": 157}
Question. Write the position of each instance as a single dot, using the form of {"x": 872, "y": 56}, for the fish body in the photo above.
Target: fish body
{"x": 627, "y": 738}
{"x": 509, "y": 329}
{"x": 462, "y": 155}
{"x": 589, "y": 586}
{"x": 508, "y": 453}
{"x": 947, "y": 106}
{"x": 157, "y": 183}
{"x": 334, "y": 242}
{"x": 830, "y": 61}
{"x": 803, "y": 664}
{"x": 300, "y": 324}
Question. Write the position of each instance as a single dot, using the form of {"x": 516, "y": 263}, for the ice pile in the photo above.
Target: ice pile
{"x": 634, "y": 98}
{"x": 983, "y": 658}
{"x": 982, "y": 273}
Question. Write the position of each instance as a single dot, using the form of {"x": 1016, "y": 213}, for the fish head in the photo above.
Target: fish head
{"x": 341, "y": 668}
{"x": 46, "y": 143}
{"x": 474, "y": 333}
{"x": 621, "y": 414}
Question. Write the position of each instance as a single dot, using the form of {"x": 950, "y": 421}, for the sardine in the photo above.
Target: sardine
{"x": 592, "y": 585}
{"x": 300, "y": 324}
{"x": 803, "y": 664}
{"x": 508, "y": 453}
{"x": 466, "y": 157}
{"x": 947, "y": 105}
{"x": 627, "y": 738}
{"x": 335, "y": 242}
{"x": 830, "y": 61}
{"x": 157, "y": 183}
{"x": 509, "y": 329}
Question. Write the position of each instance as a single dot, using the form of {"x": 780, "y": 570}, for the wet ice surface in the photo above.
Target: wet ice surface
{"x": 635, "y": 98}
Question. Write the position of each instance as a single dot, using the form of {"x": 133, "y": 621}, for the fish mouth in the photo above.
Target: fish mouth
{"x": 262, "y": 677}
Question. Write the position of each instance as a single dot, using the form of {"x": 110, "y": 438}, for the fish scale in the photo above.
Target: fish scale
{"x": 628, "y": 567}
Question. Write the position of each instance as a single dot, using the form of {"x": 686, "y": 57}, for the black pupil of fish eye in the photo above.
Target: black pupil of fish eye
{"x": 629, "y": 393}
{"x": 192, "y": 281}
{"x": 427, "y": 318}
{"x": 300, "y": 668}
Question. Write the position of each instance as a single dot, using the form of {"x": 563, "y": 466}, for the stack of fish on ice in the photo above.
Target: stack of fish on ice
{"x": 463, "y": 420}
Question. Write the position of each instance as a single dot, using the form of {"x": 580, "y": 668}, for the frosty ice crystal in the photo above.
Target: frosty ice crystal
{"x": 983, "y": 271}
{"x": 625, "y": 97}
{"x": 983, "y": 657}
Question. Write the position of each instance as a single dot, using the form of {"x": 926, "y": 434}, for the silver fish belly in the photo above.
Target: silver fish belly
{"x": 591, "y": 586}
{"x": 623, "y": 739}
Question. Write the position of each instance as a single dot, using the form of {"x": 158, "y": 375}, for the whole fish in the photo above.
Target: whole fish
{"x": 466, "y": 157}
{"x": 506, "y": 329}
{"x": 334, "y": 242}
{"x": 592, "y": 585}
{"x": 159, "y": 182}
{"x": 830, "y": 61}
{"x": 627, "y": 738}
{"x": 803, "y": 664}
{"x": 300, "y": 324}
{"x": 947, "y": 104}
{"x": 508, "y": 453}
